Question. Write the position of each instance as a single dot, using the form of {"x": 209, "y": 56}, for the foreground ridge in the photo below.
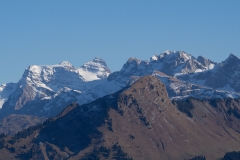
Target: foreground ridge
{"x": 138, "y": 122}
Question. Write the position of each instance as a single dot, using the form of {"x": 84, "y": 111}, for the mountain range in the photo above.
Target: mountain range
{"x": 46, "y": 90}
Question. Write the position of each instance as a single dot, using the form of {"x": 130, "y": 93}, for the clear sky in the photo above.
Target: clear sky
{"x": 48, "y": 32}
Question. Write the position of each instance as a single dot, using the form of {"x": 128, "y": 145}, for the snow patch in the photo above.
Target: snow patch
{"x": 88, "y": 76}
{"x": 154, "y": 58}
{"x": 199, "y": 70}
{"x": 211, "y": 66}
{"x": 2, "y": 101}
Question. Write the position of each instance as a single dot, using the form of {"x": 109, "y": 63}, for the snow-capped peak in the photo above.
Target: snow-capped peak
{"x": 95, "y": 64}
{"x": 163, "y": 54}
{"x": 130, "y": 65}
{"x": 154, "y": 58}
{"x": 135, "y": 60}
{"x": 168, "y": 55}
{"x": 169, "y": 52}
{"x": 94, "y": 69}
{"x": 66, "y": 63}
{"x": 98, "y": 60}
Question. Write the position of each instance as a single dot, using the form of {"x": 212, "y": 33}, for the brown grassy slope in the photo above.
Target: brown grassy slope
{"x": 14, "y": 123}
{"x": 161, "y": 131}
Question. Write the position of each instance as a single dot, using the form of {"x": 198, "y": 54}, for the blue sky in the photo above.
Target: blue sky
{"x": 48, "y": 32}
